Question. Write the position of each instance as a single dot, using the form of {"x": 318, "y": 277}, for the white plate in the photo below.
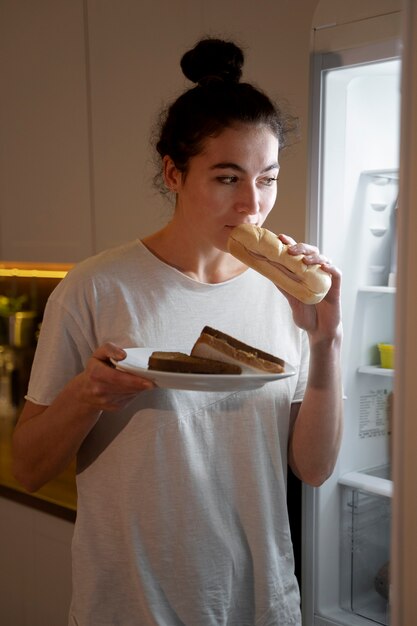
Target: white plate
{"x": 136, "y": 362}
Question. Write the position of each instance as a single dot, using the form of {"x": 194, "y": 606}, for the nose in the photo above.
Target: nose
{"x": 248, "y": 200}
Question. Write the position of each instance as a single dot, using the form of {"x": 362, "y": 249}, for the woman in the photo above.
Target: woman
{"x": 182, "y": 515}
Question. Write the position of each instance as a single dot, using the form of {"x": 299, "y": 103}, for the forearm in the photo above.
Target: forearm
{"x": 46, "y": 439}
{"x": 317, "y": 431}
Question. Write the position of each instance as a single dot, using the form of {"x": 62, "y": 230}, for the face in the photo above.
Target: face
{"x": 232, "y": 181}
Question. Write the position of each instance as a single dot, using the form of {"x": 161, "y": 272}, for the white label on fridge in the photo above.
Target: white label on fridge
{"x": 373, "y": 412}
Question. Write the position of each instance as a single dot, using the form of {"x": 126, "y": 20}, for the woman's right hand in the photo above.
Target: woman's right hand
{"x": 105, "y": 388}
{"x": 47, "y": 438}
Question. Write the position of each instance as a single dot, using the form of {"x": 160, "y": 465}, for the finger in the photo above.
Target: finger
{"x": 289, "y": 241}
{"x": 315, "y": 258}
{"x": 109, "y": 351}
{"x": 105, "y": 377}
{"x": 124, "y": 382}
{"x": 134, "y": 382}
{"x": 115, "y": 388}
{"x": 305, "y": 249}
{"x": 330, "y": 268}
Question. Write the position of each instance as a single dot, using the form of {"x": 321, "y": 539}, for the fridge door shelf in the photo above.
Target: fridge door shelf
{"x": 368, "y": 482}
{"x": 377, "y": 290}
{"x": 376, "y": 370}
{"x": 383, "y": 176}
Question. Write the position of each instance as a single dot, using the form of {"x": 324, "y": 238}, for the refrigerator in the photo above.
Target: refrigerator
{"x": 353, "y": 529}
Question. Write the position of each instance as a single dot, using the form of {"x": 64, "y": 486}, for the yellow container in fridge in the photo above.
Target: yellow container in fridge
{"x": 386, "y": 352}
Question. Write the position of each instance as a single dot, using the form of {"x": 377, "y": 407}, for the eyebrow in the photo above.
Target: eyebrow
{"x": 239, "y": 168}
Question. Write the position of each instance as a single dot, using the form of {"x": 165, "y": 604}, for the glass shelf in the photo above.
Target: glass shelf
{"x": 376, "y": 370}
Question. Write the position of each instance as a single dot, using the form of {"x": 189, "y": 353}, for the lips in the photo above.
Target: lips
{"x": 241, "y": 224}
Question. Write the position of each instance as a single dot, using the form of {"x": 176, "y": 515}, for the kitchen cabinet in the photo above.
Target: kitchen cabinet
{"x": 35, "y": 544}
{"x": 35, "y": 577}
{"x": 75, "y": 120}
{"x": 46, "y": 213}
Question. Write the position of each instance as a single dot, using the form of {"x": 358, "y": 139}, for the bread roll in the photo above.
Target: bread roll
{"x": 264, "y": 252}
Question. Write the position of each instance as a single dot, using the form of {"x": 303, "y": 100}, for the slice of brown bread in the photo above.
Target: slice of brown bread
{"x": 185, "y": 364}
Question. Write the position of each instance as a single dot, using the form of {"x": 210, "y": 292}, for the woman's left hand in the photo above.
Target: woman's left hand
{"x": 322, "y": 320}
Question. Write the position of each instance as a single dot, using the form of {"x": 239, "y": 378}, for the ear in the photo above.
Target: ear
{"x": 172, "y": 175}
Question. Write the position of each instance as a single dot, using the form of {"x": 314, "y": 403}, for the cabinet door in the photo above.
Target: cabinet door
{"x": 45, "y": 208}
{"x": 35, "y": 566}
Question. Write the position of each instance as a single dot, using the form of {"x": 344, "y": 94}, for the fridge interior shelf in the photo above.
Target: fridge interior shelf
{"x": 377, "y": 289}
{"x": 376, "y": 370}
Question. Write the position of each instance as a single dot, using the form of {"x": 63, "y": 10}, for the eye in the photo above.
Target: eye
{"x": 269, "y": 182}
{"x": 227, "y": 180}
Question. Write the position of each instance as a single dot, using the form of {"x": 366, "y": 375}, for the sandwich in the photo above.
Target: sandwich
{"x": 264, "y": 252}
{"x": 215, "y": 344}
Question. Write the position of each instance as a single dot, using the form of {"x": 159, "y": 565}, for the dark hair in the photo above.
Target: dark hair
{"x": 218, "y": 101}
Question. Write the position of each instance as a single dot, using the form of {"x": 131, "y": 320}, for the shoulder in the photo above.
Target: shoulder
{"x": 115, "y": 259}
{"x": 102, "y": 269}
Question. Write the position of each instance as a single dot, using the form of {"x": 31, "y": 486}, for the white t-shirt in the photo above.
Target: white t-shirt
{"x": 182, "y": 517}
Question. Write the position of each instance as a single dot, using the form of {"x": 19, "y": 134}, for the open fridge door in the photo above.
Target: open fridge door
{"x": 404, "y": 535}
{"x": 353, "y": 208}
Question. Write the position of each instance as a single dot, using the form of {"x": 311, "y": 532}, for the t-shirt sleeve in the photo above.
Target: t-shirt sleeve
{"x": 303, "y": 370}
{"x": 62, "y": 352}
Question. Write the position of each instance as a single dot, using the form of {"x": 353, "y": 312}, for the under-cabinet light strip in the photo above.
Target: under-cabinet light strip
{"x": 35, "y": 273}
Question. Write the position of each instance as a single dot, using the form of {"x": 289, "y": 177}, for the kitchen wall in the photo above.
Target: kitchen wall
{"x": 84, "y": 81}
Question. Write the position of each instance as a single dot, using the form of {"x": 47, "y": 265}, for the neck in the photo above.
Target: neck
{"x": 206, "y": 265}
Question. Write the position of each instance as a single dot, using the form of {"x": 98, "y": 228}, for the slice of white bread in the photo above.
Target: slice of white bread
{"x": 215, "y": 344}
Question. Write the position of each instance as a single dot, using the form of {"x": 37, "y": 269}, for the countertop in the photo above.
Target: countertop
{"x": 58, "y": 497}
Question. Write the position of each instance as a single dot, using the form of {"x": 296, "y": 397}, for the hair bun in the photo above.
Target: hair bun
{"x": 213, "y": 59}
